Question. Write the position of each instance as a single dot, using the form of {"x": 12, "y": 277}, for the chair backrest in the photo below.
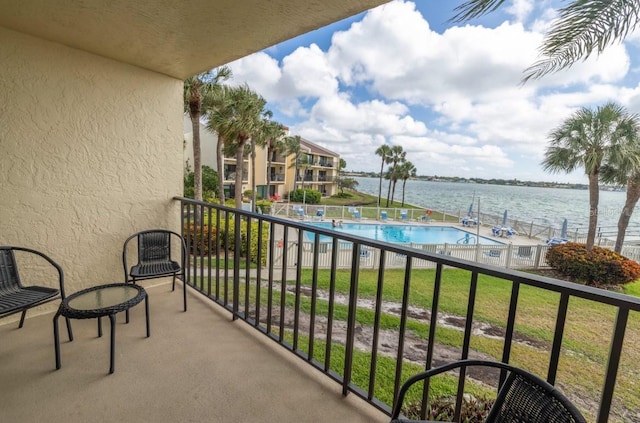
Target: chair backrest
{"x": 524, "y": 399}
{"x": 154, "y": 246}
{"x": 9, "y": 277}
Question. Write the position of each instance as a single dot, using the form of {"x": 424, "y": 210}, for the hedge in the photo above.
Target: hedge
{"x": 600, "y": 266}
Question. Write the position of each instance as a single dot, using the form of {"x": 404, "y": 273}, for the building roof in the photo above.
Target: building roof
{"x": 175, "y": 38}
{"x": 316, "y": 149}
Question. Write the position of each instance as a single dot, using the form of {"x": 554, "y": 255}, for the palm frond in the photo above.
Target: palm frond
{"x": 584, "y": 27}
{"x": 474, "y": 8}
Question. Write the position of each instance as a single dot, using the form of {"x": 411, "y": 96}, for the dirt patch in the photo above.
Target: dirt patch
{"x": 415, "y": 348}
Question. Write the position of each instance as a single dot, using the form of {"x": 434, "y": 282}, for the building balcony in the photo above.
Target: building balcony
{"x": 231, "y": 177}
{"x": 277, "y": 177}
{"x": 196, "y": 366}
{"x": 276, "y": 158}
{"x": 232, "y": 159}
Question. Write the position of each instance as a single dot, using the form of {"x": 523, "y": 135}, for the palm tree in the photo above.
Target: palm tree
{"x": 217, "y": 113}
{"x": 271, "y": 137}
{"x": 407, "y": 170}
{"x": 589, "y": 139}
{"x": 394, "y": 175}
{"x": 397, "y": 156}
{"x": 626, "y": 172}
{"x": 196, "y": 90}
{"x": 583, "y": 27}
{"x": 292, "y": 144}
{"x": 384, "y": 151}
{"x": 237, "y": 122}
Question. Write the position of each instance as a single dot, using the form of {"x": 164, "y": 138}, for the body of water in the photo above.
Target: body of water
{"x": 417, "y": 234}
{"x": 543, "y": 206}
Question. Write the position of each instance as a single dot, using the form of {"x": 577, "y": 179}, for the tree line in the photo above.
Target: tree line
{"x": 238, "y": 116}
{"x": 400, "y": 169}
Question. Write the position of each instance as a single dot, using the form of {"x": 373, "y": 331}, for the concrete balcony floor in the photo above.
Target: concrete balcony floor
{"x": 197, "y": 366}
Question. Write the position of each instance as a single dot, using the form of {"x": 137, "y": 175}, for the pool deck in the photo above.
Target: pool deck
{"x": 483, "y": 230}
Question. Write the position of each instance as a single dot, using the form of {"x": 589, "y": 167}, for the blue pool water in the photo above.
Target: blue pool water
{"x": 417, "y": 234}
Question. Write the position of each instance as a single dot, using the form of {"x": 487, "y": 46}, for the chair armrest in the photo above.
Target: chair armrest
{"x": 50, "y": 261}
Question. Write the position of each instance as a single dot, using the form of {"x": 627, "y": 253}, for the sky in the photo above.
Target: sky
{"x": 450, "y": 95}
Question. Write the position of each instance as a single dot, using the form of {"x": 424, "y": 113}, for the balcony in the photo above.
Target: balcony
{"x": 323, "y": 163}
{"x": 231, "y": 176}
{"x": 285, "y": 349}
{"x": 277, "y": 158}
{"x": 278, "y": 177}
{"x": 196, "y": 366}
{"x": 350, "y": 303}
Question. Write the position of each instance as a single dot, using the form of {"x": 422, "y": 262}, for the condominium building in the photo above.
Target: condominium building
{"x": 317, "y": 167}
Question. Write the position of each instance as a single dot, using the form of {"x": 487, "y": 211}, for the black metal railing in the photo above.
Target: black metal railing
{"x": 265, "y": 270}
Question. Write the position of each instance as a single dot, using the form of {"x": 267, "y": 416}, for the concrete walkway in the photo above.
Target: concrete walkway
{"x": 197, "y": 366}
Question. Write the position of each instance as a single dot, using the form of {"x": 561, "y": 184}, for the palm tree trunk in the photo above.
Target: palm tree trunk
{"x": 594, "y": 199}
{"x": 633, "y": 195}
{"x": 220, "y": 165}
{"x": 393, "y": 192}
{"x": 380, "y": 184}
{"x": 253, "y": 175}
{"x": 404, "y": 182}
{"x": 239, "y": 166}
{"x": 197, "y": 156}
{"x": 268, "y": 171}
{"x": 388, "y": 192}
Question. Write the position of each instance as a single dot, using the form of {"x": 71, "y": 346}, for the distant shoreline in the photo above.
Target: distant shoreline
{"x": 506, "y": 182}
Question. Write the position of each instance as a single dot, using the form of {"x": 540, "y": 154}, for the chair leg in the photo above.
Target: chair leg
{"x": 56, "y": 340}
{"x": 173, "y": 286}
{"x": 24, "y": 313}
{"x": 184, "y": 293}
{"x": 69, "y": 329}
{"x": 112, "y": 318}
{"x": 146, "y": 310}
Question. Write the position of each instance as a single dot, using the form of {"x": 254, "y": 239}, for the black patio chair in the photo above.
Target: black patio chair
{"x": 523, "y": 398}
{"x": 155, "y": 258}
{"x": 16, "y": 297}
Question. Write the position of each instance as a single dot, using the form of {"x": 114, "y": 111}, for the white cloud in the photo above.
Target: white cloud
{"x": 453, "y": 100}
{"x": 520, "y": 9}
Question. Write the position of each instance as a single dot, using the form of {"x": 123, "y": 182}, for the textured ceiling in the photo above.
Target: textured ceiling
{"x": 175, "y": 37}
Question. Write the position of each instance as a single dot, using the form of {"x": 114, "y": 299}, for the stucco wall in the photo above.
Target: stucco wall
{"x": 90, "y": 152}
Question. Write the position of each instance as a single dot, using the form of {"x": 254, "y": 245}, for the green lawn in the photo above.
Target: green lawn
{"x": 587, "y": 332}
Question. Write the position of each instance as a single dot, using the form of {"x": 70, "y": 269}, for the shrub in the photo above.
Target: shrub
{"x": 209, "y": 183}
{"x": 203, "y": 236}
{"x": 600, "y": 266}
{"x": 309, "y": 196}
{"x": 474, "y": 410}
{"x": 342, "y": 195}
{"x": 264, "y": 206}
{"x": 253, "y": 245}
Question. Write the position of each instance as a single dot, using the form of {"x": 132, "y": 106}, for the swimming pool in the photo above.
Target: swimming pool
{"x": 416, "y": 234}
